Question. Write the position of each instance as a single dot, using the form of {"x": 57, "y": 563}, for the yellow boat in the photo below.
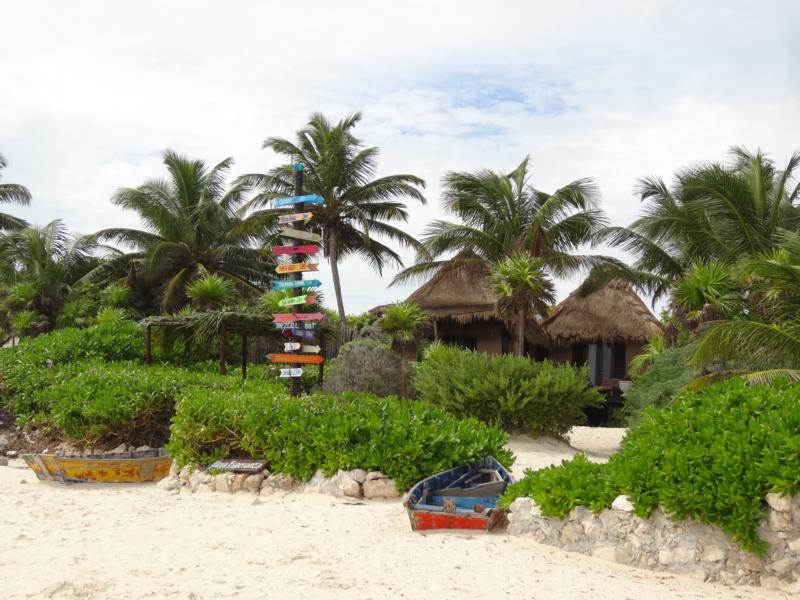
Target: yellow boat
{"x": 128, "y": 467}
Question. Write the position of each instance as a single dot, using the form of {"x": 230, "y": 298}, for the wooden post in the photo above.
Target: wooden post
{"x": 297, "y": 382}
{"x": 148, "y": 344}
{"x": 222, "y": 348}
{"x": 244, "y": 357}
{"x": 435, "y": 330}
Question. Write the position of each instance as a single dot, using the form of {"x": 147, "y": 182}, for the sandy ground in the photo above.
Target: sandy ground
{"x": 93, "y": 541}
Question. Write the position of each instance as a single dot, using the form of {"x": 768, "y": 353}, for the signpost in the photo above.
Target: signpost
{"x": 299, "y": 234}
{"x": 300, "y": 199}
{"x": 287, "y": 284}
{"x": 240, "y": 466}
{"x": 307, "y": 249}
{"x": 294, "y": 301}
{"x": 294, "y": 218}
{"x": 294, "y": 325}
{"x": 306, "y": 359}
{"x": 296, "y": 268}
{"x": 295, "y": 372}
{"x": 290, "y": 317}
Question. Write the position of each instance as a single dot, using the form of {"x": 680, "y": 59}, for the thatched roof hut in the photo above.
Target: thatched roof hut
{"x": 611, "y": 314}
{"x": 462, "y": 293}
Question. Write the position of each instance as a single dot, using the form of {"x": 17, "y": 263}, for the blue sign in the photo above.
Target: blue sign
{"x": 307, "y": 199}
{"x": 288, "y": 284}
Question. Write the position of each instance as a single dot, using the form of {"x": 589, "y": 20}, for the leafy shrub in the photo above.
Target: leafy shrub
{"x": 405, "y": 439}
{"x": 365, "y": 366}
{"x": 659, "y": 384}
{"x": 711, "y": 455}
{"x": 515, "y": 393}
{"x": 116, "y": 295}
{"x": 76, "y": 311}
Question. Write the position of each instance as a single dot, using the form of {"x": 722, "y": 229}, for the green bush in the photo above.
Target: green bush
{"x": 367, "y": 366}
{"x": 405, "y": 439}
{"x": 711, "y": 455}
{"x": 515, "y": 393}
{"x": 659, "y": 384}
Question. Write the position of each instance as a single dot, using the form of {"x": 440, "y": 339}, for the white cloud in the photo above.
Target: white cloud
{"x": 92, "y": 92}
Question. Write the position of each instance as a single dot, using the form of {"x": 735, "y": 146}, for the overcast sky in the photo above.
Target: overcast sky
{"x": 91, "y": 93}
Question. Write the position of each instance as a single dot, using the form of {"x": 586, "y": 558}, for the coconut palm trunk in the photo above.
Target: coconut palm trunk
{"x": 520, "y": 351}
{"x": 333, "y": 255}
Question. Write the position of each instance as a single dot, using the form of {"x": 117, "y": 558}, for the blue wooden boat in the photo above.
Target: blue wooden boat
{"x": 462, "y": 498}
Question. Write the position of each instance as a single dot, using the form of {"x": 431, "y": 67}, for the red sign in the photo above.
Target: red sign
{"x": 307, "y": 249}
{"x": 284, "y": 317}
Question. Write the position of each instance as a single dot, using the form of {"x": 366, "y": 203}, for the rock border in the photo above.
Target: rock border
{"x": 661, "y": 544}
{"x": 356, "y": 483}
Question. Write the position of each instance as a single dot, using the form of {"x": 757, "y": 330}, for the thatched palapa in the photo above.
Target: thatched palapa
{"x": 612, "y": 314}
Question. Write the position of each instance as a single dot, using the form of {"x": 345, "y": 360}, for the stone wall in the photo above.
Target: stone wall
{"x": 356, "y": 483}
{"x": 660, "y": 543}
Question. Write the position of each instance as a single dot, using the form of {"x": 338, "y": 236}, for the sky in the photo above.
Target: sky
{"x": 91, "y": 93}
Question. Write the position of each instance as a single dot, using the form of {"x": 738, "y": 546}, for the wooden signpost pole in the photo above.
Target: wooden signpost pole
{"x": 298, "y": 208}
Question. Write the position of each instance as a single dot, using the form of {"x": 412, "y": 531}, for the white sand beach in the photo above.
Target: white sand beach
{"x": 119, "y": 542}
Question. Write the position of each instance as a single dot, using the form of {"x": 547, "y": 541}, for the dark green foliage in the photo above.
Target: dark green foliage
{"x": 659, "y": 384}
{"x": 711, "y": 455}
{"x": 405, "y": 439}
{"x": 515, "y": 393}
{"x": 365, "y": 366}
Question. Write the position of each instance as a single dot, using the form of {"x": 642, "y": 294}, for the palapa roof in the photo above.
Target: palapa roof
{"x": 612, "y": 314}
{"x": 462, "y": 292}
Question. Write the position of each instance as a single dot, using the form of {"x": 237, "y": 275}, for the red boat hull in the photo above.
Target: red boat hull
{"x": 422, "y": 520}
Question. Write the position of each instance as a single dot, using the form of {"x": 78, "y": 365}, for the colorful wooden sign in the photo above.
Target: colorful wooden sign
{"x": 304, "y": 199}
{"x": 294, "y": 218}
{"x": 299, "y": 234}
{"x": 290, "y": 284}
{"x": 302, "y": 359}
{"x": 296, "y": 268}
{"x": 306, "y": 349}
{"x": 296, "y": 372}
{"x": 301, "y": 333}
{"x": 294, "y": 325}
{"x": 287, "y": 317}
{"x": 240, "y": 466}
{"x": 292, "y": 346}
{"x": 295, "y": 300}
{"x": 307, "y": 249}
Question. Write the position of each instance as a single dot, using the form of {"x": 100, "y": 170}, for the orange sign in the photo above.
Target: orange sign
{"x": 296, "y": 267}
{"x": 307, "y": 359}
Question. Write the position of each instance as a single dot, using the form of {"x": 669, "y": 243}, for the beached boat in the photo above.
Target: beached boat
{"x": 127, "y": 467}
{"x": 461, "y": 498}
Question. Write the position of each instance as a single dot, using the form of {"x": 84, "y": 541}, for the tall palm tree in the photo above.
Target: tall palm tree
{"x": 403, "y": 323}
{"x": 500, "y": 214}
{"x": 12, "y": 193}
{"x": 358, "y": 207}
{"x": 49, "y": 261}
{"x": 192, "y": 230}
{"x": 712, "y": 211}
{"x": 522, "y": 287}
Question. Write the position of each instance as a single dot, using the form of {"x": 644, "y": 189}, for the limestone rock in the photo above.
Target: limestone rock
{"x": 521, "y": 505}
{"x": 622, "y": 503}
{"x": 222, "y": 482}
{"x": 380, "y": 488}
{"x": 252, "y": 483}
{"x": 612, "y": 554}
{"x": 204, "y": 488}
{"x": 196, "y": 478}
{"x": 143, "y": 448}
{"x": 3, "y": 461}
{"x": 174, "y": 469}
{"x": 185, "y": 472}
{"x": 783, "y": 566}
{"x": 12, "y": 454}
{"x": 346, "y": 485}
{"x": 713, "y": 553}
{"x": 121, "y": 449}
{"x": 779, "y": 502}
{"x": 316, "y": 482}
{"x": 238, "y": 481}
{"x": 169, "y": 484}
{"x": 375, "y": 475}
{"x": 752, "y": 563}
{"x": 571, "y": 533}
{"x": 779, "y": 521}
{"x": 794, "y": 545}
{"x": 358, "y": 475}
{"x": 279, "y": 481}
{"x": 677, "y": 555}
{"x": 17, "y": 463}
{"x": 771, "y": 583}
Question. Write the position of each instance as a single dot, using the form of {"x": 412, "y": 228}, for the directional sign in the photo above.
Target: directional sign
{"x": 296, "y": 267}
{"x": 294, "y": 218}
{"x": 306, "y": 199}
{"x": 310, "y": 349}
{"x": 294, "y": 325}
{"x": 299, "y": 234}
{"x": 301, "y": 333}
{"x": 286, "y": 317}
{"x": 291, "y": 346}
{"x": 304, "y": 299}
{"x": 297, "y": 372}
{"x": 240, "y": 466}
{"x": 308, "y": 249}
{"x": 302, "y": 359}
{"x": 287, "y": 284}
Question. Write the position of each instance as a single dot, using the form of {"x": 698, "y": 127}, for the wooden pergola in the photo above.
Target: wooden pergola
{"x": 220, "y": 322}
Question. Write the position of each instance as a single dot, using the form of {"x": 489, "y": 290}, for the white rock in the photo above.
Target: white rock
{"x": 280, "y": 481}
{"x": 771, "y": 583}
{"x": 346, "y": 485}
{"x": 358, "y": 475}
{"x": 198, "y": 477}
{"x": 713, "y": 554}
{"x": 222, "y": 482}
{"x": 204, "y": 488}
{"x": 752, "y": 563}
{"x": 677, "y": 555}
{"x": 622, "y": 503}
{"x": 380, "y": 488}
{"x": 375, "y": 475}
{"x": 174, "y": 469}
{"x": 315, "y": 483}
{"x": 521, "y": 505}
{"x": 185, "y": 472}
{"x": 783, "y": 566}
{"x": 121, "y": 449}
{"x": 252, "y": 483}
{"x": 794, "y": 545}
{"x": 143, "y": 448}
{"x": 331, "y": 487}
{"x": 237, "y": 482}
{"x": 779, "y": 502}
{"x": 169, "y": 484}
{"x": 3, "y": 461}
{"x": 779, "y": 521}
{"x": 612, "y": 554}
{"x": 17, "y": 463}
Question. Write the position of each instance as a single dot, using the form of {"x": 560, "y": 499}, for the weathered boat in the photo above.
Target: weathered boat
{"x": 462, "y": 498}
{"x": 127, "y": 467}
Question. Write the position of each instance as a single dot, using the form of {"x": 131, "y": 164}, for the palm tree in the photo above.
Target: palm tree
{"x": 500, "y": 214}
{"x": 403, "y": 323}
{"x": 721, "y": 212}
{"x": 522, "y": 287}
{"x": 358, "y": 207}
{"x": 192, "y": 230}
{"x": 49, "y": 261}
{"x": 211, "y": 292}
{"x": 12, "y": 193}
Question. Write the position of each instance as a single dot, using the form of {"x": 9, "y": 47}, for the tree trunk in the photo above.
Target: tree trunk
{"x": 333, "y": 254}
{"x": 520, "y": 332}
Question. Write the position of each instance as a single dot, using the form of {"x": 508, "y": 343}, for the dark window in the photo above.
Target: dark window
{"x": 618, "y": 361}
{"x": 468, "y": 342}
{"x": 580, "y": 354}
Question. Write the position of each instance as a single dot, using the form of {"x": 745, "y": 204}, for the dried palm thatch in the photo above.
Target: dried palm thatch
{"x": 612, "y": 314}
{"x": 462, "y": 293}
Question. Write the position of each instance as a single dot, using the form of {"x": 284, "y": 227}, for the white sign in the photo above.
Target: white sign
{"x": 291, "y": 372}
